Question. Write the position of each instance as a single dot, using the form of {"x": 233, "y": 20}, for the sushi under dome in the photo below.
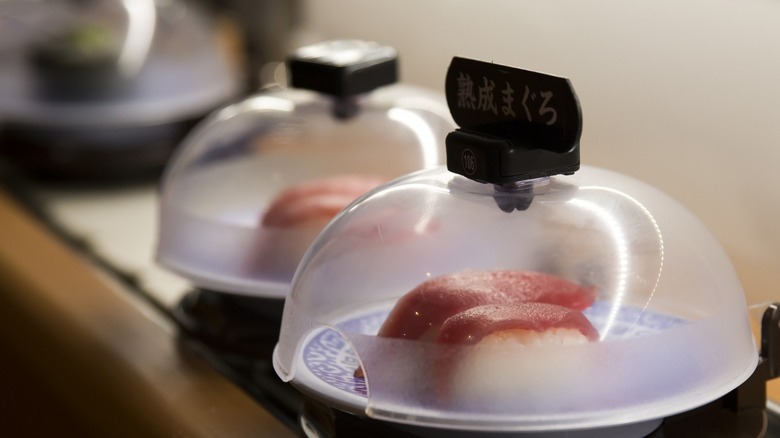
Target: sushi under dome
{"x": 515, "y": 290}
{"x": 251, "y": 186}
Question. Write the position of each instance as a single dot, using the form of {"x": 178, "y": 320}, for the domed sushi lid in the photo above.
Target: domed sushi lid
{"x": 109, "y": 64}
{"x": 516, "y": 290}
{"x": 251, "y": 187}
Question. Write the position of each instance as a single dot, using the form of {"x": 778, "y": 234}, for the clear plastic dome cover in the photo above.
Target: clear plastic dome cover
{"x": 668, "y": 314}
{"x": 253, "y": 185}
{"x": 110, "y": 63}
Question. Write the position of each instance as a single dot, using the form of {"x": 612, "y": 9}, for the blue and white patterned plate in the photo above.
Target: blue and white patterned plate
{"x": 329, "y": 362}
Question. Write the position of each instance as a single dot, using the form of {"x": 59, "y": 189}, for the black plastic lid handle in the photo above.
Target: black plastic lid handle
{"x": 343, "y": 68}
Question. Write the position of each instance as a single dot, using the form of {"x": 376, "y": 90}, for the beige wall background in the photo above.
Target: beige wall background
{"x": 682, "y": 94}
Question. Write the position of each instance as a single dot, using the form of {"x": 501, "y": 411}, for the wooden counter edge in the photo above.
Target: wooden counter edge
{"x": 104, "y": 350}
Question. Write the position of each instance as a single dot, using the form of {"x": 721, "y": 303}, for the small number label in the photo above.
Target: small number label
{"x": 469, "y": 161}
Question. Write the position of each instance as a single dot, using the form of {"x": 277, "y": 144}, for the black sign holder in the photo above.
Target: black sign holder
{"x": 515, "y": 124}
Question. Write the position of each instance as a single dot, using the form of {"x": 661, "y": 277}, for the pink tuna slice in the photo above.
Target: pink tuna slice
{"x": 472, "y": 325}
{"x": 317, "y": 199}
{"x": 420, "y": 313}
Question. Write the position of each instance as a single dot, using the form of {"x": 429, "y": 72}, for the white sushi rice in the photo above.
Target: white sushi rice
{"x": 530, "y": 338}
{"x": 515, "y": 365}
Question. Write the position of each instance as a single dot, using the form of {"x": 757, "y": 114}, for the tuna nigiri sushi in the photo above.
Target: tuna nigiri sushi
{"x": 316, "y": 201}
{"x": 521, "y": 324}
{"x": 298, "y": 214}
{"x": 493, "y": 306}
{"x": 513, "y": 351}
{"x": 420, "y": 313}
